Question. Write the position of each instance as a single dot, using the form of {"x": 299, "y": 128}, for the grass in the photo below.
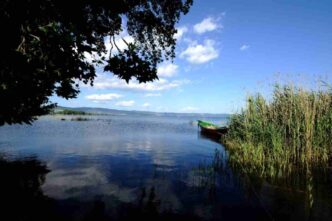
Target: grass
{"x": 293, "y": 129}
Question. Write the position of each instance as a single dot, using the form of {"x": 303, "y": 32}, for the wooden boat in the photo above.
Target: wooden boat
{"x": 212, "y": 129}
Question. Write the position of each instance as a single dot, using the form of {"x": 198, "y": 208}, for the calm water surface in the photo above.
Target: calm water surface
{"x": 133, "y": 167}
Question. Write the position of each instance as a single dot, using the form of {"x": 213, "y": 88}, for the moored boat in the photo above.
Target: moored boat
{"x": 212, "y": 129}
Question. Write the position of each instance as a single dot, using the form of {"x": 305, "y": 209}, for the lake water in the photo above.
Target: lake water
{"x": 129, "y": 167}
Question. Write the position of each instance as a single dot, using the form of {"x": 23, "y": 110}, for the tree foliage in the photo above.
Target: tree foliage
{"x": 45, "y": 43}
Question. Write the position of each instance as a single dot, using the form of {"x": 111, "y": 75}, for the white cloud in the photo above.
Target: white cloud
{"x": 189, "y": 109}
{"x": 104, "y": 82}
{"x": 244, "y": 47}
{"x": 103, "y": 97}
{"x": 200, "y": 53}
{"x": 146, "y": 105}
{"x": 208, "y": 24}
{"x": 181, "y": 31}
{"x": 125, "y": 103}
{"x": 167, "y": 70}
{"x": 152, "y": 95}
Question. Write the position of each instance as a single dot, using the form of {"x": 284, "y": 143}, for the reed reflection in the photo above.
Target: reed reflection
{"x": 285, "y": 194}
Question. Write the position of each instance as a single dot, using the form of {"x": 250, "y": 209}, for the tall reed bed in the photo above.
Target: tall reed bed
{"x": 293, "y": 128}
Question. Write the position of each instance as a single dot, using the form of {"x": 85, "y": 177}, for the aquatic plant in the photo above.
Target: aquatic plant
{"x": 206, "y": 172}
{"x": 287, "y": 132}
{"x": 79, "y": 119}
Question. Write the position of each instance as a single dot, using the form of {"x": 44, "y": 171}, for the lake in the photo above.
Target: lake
{"x": 139, "y": 166}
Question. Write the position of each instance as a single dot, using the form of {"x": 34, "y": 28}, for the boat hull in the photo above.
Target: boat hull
{"x": 218, "y": 132}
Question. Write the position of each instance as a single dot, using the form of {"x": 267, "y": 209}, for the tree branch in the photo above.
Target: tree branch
{"x": 115, "y": 44}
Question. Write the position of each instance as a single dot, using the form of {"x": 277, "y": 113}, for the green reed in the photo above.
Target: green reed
{"x": 290, "y": 130}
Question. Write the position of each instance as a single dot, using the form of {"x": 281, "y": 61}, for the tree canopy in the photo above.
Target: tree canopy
{"x": 45, "y": 44}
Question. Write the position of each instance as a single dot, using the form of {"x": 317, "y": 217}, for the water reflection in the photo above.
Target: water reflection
{"x": 23, "y": 199}
{"x": 157, "y": 168}
{"x": 158, "y": 198}
{"x": 286, "y": 192}
{"x": 20, "y": 190}
{"x": 299, "y": 194}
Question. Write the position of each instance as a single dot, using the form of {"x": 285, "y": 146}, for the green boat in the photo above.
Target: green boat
{"x": 212, "y": 129}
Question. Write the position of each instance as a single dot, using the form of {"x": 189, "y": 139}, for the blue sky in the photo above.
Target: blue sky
{"x": 226, "y": 50}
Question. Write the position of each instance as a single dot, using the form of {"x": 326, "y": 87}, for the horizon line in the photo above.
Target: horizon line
{"x": 148, "y": 111}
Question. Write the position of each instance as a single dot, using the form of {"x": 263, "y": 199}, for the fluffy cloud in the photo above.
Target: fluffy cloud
{"x": 152, "y": 95}
{"x": 146, "y": 105}
{"x": 103, "y": 97}
{"x": 181, "y": 31}
{"x": 167, "y": 70}
{"x": 208, "y": 24}
{"x": 105, "y": 82}
{"x": 200, "y": 53}
{"x": 125, "y": 103}
{"x": 244, "y": 47}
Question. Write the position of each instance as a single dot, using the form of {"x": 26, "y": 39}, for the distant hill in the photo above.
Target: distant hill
{"x": 107, "y": 111}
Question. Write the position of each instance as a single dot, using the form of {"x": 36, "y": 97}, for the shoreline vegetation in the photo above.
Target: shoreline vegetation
{"x": 76, "y": 115}
{"x": 290, "y": 132}
{"x": 70, "y": 112}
